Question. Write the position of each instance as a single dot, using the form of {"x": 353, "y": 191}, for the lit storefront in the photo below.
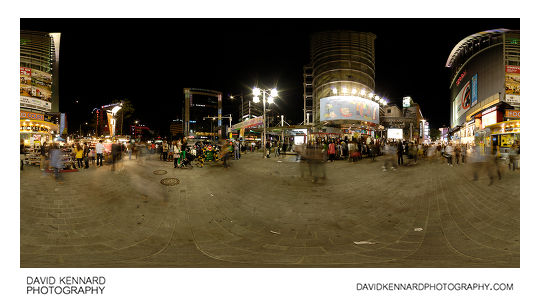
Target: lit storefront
{"x": 35, "y": 129}
{"x": 484, "y": 87}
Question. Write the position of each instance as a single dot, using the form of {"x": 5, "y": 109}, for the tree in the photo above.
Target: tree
{"x": 434, "y": 134}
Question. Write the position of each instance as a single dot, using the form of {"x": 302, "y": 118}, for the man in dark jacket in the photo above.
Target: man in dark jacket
{"x": 400, "y": 153}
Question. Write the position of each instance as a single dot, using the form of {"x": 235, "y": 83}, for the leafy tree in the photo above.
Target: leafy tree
{"x": 434, "y": 134}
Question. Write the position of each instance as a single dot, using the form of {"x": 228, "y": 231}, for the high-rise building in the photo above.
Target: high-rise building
{"x": 339, "y": 82}
{"x": 485, "y": 89}
{"x": 202, "y": 113}
{"x": 39, "y": 102}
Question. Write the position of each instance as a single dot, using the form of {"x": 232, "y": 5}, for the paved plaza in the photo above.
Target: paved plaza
{"x": 261, "y": 213}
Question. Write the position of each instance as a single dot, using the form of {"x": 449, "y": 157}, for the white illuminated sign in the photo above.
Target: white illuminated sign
{"x": 395, "y": 133}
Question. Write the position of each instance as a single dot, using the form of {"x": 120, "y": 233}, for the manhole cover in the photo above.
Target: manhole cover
{"x": 170, "y": 181}
{"x": 160, "y": 172}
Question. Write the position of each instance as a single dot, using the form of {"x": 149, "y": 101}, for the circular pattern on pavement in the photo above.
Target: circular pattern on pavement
{"x": 170, "y": 181}
{"x": 160, "y": 172}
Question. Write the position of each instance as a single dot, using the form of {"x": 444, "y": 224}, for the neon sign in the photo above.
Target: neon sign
{"x": 461, "y": 77}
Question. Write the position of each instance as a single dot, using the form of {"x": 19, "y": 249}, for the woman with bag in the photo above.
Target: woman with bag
{"x": 176, "y": 153}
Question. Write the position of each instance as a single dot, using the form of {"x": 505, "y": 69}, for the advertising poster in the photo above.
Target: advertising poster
{"x": 111, "y": 121}
{"x": 349, "y": 108}
{"x": 511, "y": 83}
{"x": 26, "y": 81}
{"x": 395, "y": 133}
{"x": 474, "y": 89}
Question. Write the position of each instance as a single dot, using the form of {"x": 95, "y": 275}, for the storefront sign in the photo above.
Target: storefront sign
{"x": 512, "y": 114}
{"x": 32, "y": 116}
{"x": 35, "y": 103}
{"x": 349, "y": 108}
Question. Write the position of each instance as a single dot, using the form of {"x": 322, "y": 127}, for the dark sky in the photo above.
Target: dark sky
{"x": 150, "y": 61}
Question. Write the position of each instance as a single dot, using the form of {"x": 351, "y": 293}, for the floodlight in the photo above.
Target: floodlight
{"x": 256, "y": 91}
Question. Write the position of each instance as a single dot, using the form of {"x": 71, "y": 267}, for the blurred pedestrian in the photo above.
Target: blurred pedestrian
{"x": 86, "y": 152}
{"x": 43, "y": 156}
{"x": 23, "y": 154}
{"x": 399, "y": 152}
{"x": 165, "y": 151}
{"x": 56, "y": 161}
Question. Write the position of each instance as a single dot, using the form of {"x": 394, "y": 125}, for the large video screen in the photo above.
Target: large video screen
{"x": 352, "y": 108}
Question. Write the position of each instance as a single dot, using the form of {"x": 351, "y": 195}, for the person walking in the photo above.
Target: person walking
{"x": 176, "y": 153}
{"x": 23, "y": 154}
{"x": 399, "y": 152}
{"x": 449, "y": 153}
{"x": 43, "y": 156}
{"x": 457, "y": 151}
{"x": 56, "y": 162}
{"x": 512, "y": 157}
{"x": 165, "y": 151}
{"x": 331, "y": 151}
{"x": 79, "y": 151}
{"x": 99, "y": 153}
{"x": 86, "y": 152}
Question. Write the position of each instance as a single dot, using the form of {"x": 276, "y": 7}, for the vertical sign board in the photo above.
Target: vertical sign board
{"x": 474, "y": 89}
{"x": 511, "y": 84}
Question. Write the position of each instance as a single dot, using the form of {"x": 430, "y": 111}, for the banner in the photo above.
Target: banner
{"x": 63, "y": 128}
{"x": 352, "y": 108}
{"x": 474, "y": 89}
{"x": 35, "y": 103}
{"x": 511, "y": 84}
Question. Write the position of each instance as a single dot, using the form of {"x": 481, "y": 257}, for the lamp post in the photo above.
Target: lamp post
{"x": 272, "y": 93}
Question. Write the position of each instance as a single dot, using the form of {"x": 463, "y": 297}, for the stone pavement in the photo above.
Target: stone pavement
{"x": 261, "y": 213}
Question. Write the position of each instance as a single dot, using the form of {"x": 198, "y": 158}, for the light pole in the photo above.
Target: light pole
{"x": 272, "y": 93}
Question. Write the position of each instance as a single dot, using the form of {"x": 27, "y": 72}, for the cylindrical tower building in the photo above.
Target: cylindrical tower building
{"x": 342, "y": 61}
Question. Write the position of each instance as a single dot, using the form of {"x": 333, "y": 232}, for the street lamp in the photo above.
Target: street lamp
{"x": 272, "y": 93}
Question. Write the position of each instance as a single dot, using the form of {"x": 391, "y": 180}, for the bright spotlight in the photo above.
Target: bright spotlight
{"x": 363, "y": 92}
{"x": 334, "y": 90}
{"x": 377, "y": 97}
{"x": 270, "y": 99}
{"x": 370, "y": 95}
{"x": 255, "y": 99}
{"x": 353, "y": 91}
{"x": 273, "y": 92}
{"x": 256, "y": 91}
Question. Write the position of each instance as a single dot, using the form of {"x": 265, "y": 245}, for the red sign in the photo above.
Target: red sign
{"x": 460, "y": 78}
{"x": 511, "y": 114}
{"x": 26, "y": 71}
{"x": 512, "y": 69}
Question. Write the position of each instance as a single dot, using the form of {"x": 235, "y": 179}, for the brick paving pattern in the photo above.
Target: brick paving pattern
{"x": 261, "y": 213}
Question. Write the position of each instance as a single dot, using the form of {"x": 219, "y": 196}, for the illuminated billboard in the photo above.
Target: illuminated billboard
{"x": 352, "y": 108}
{"x": 464, "y": 100}
{"x": 511, "y": 84}
{"x": 395, "y": 133}
{"x": 35, "y": 89}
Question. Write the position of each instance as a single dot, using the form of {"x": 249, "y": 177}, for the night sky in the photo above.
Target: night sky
{"x": 150, "y": 61}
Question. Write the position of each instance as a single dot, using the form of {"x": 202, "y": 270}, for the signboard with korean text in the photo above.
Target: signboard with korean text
{"x": 352, "y": 108}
